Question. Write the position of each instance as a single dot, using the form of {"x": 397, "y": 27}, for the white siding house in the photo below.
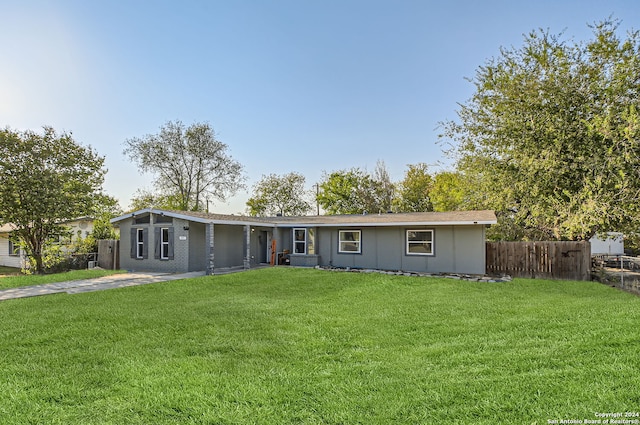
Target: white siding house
{"x": 12, "y": 256}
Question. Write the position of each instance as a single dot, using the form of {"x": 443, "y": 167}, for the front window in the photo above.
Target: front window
{"x": 349, "y": 241}
{"x": 299, "y": 241}
{"x": 419, "y": 242}
{"x": 140, "y": 243}
{"x": 14, "y": 250}
{"x": 164, "y": 243}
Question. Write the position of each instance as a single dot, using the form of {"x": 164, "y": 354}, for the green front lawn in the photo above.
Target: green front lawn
{"x": 16, "y": 281}
{"x": 295, "y": 346}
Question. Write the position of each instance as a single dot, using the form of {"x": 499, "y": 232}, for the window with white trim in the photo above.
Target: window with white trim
{"x": 420, "y": 242}
{"x": 299, "y": 241}
{"x": 164, "y": 243}
{"x": 349, "y": 241}
{"x": 140, "y": 243}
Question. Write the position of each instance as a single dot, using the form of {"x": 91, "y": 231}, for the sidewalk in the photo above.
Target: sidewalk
{"x": 97, "y": 284}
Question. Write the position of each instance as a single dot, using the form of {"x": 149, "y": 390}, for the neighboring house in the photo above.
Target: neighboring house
{"x": 180, "y": 241}
{"x": 78, "y": 228}
{"x": 12, "y": 256}
{"x": 610, "y": 243}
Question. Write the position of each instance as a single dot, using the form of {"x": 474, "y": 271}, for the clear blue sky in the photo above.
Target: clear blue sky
{"x": 305, "y": 85}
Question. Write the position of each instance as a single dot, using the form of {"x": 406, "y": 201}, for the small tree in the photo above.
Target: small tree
{"x": 102, "y": 228}
{"x": 275, "y": 194}
{"x": 46, "y": 179}
{"x": 190, "y": 164}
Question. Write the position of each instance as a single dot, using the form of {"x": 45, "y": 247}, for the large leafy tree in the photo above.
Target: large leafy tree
{"x": 344, "y": 192}
{"x": 189, "y": 163}
{"x": 414, "y": 193}
{"x": 275, "y": 194}
{"x": 355, "y": 191}
{"x": 550, "y": 138}
{"x": 448, "y": 192}
{"x": 45, "y": 179}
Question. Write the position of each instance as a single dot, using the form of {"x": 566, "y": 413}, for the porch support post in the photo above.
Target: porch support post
{"x": 209, "y": 244}
{"x": 247, "y": 247}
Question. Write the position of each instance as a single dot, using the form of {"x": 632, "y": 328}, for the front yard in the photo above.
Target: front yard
{"x": 281, "y": 346}
{"x": 14, "y": 279}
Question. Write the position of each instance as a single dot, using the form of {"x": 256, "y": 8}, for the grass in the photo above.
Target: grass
{"x": 16, "y": 281}
{"x": 4, "y": 270}
{"x": 293, "y": 346}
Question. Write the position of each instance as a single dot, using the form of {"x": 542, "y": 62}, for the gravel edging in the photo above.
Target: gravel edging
{"x": 454, "y": 276}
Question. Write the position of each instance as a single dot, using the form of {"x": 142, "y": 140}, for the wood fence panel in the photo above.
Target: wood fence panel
{"x": 109, "y": 254}
{"x": 544, "y": 260}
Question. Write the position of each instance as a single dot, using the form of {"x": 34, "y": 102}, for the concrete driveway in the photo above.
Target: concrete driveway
{"x": 97, "y": 284}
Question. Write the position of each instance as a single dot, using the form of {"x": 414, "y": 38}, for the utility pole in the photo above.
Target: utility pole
{"x": 317, "y": 186}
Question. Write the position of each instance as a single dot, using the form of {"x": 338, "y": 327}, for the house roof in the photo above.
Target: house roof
{"x": 7, "y": 228}
{"x": 393, "y": 219}
{"x": 10, "y": 227}
{"x": 364, "y": 220}
{"x": 196, "y": 216}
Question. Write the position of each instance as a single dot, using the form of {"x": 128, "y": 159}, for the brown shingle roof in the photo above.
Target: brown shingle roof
{"x": 431, "y": 218}
{"x": 419, "y": 218}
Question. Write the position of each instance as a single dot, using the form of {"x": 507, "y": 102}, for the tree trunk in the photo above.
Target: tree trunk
{"x": 39, "y": 264}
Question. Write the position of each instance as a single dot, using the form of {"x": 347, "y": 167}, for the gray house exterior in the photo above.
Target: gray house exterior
{"x": 179, "y": 241}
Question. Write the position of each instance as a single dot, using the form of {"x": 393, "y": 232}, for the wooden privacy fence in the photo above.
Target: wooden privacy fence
{"x": 547, "y": 260}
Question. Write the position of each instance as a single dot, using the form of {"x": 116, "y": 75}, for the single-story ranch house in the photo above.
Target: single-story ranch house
{"x": 180, "y": 241}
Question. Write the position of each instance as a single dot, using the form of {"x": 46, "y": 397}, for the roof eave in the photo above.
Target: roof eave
{"x": 191, "y": 218}
{"x": 390, "y": 224}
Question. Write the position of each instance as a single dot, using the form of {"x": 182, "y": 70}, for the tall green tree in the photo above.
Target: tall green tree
{"x": 190, "y": 165}
{"x": 275, "y": 194}
{"x": 355, "y": 191}
{"x": 341, "y": 192}
{"x": 551, "y": 135}
{"x": 448, "y": 192}
{"x": 414, "y": 193}
{"x": 45, "y": 179}
{"x": 383, "y": 190}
